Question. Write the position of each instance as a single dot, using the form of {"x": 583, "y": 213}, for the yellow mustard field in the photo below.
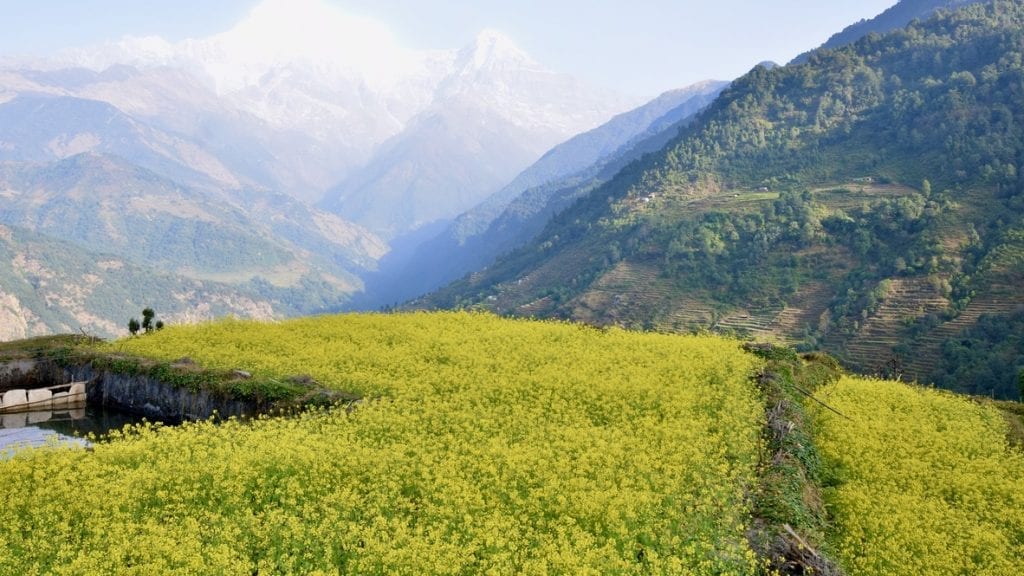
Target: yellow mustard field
{"x": 922, "y": 482}
{"x": 489, "y": 446}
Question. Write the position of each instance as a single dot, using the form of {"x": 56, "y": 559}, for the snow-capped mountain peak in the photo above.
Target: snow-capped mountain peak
{"x": 492, "y": 48}
{"x": 139, "y": 51}
{"x": 323, "y": 91}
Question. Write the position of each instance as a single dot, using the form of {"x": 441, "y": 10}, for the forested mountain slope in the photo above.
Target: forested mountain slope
{"x": 897, "y": 16}
{"x": 868, "y": 202}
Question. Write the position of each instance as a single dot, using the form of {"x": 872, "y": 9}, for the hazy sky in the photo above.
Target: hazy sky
{"x": 639, "y": 47}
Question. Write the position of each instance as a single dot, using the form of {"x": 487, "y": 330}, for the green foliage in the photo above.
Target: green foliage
{"x": 986, "y": 359}
{"x": 148, "y": 325}
{"x": 58, "y": 345}
{"x": 147, "y": 319}
{"x": 791, "y": 472}
{"x": 733, "y": 252}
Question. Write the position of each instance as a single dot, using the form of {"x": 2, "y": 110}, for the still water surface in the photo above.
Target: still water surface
{"x": 38, "y": 428}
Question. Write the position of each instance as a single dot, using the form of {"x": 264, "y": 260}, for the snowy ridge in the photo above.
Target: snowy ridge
{"x": 308, "y": 66}
{"x": 304, "y": 98}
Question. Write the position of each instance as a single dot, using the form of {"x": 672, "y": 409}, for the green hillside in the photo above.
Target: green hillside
{"x": 48, "y": 286}
{"x": 489, "y": 445}
{"x": 518, "y": 212}
{"x": 868, "y": 202}
{"x": 237, "y": 249}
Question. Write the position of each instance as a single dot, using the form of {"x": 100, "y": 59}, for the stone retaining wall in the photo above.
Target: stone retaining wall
{"x": 137, "y": 394}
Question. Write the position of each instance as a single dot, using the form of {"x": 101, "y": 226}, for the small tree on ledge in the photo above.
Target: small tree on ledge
{"x": 148, "y": 325}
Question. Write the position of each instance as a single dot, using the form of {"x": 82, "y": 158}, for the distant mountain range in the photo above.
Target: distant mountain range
{"x": 202, "y": 159}
{"x": 340, "y": 111}
{"x": 494, "y": 113}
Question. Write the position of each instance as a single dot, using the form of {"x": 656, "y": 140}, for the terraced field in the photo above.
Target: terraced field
{"x": 804, "y": 310}
{"x": 568, "y": 267}
{"x": 850, "y": 195}
{"x": 908, "y": 299}
{"x": 999, "y": 290}
{"x": 996, "y": 300}
{"x": 633, "y": 291}
{"x": 756, "y": 323}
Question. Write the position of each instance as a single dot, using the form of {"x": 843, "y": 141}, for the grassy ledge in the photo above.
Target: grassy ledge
{"x": 1013, "y": 413}
{"x": 265, "y": 391}
{"x": 790, "y": 520}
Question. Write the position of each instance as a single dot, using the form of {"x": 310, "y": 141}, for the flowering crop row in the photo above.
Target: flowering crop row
{"x": 922, "y": 482}
{"x": 490, "y": 446}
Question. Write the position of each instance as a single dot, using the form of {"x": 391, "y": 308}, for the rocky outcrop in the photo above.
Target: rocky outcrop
{"x": 24, "y": 373}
